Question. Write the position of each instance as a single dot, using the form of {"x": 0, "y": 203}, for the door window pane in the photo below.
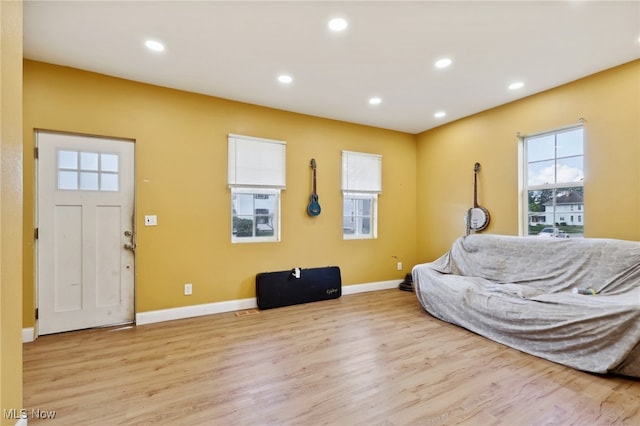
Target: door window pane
{"x": 89, "y": 161}
{"x": 88, "y": 181}
{"x": 109, "y": 182}
{"x": 108, "y": 162}
{"x": 67, "y": 180}
{"x": 67, "y": 160}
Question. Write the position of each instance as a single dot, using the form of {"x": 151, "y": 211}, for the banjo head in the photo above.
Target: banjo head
{"x": 477, "y": 218}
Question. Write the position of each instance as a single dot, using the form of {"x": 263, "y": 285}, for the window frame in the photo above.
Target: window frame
{"x": 276, "y": 215}
{"x": 523, "y": 175}
{"x": 256, "y": 166}
{"x": 361, "y": 179}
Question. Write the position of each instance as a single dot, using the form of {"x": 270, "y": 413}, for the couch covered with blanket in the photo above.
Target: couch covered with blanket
{"x": 519, "y": 291}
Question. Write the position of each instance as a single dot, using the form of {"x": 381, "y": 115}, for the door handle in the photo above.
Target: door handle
{"x": 130, "y": 245}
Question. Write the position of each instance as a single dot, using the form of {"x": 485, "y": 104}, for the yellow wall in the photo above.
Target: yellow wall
{"x": 10, "y": 209}
{"x": 608, "y": 101}
{"x": 181, "y": 172}
{"x": 181, "y": 159}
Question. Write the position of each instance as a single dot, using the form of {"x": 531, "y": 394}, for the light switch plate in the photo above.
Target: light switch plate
{"x": 151, "y": 220}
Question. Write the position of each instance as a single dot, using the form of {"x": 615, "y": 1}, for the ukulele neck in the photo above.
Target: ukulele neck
{"x": 313, "y": 167}
{"x": 314, "y": 180}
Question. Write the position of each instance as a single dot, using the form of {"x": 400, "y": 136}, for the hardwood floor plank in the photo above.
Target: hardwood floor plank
{"x": 370, "y": 358}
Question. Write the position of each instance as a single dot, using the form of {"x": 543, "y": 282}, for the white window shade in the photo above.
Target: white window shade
{"x": 361, "y": 172}
{"x": 256, "y": 162}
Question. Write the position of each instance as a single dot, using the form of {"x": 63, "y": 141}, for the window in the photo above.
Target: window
{"x": 254, "y": 214}
{"x": 361, "y": 185}
{"x": 553, "y": 181}
{"x": 256, "y": 176}
{"x": 358, "y": 215}
{"x": 87, "y": 171}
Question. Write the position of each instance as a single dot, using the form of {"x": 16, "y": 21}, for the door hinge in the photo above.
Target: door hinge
{"x": 35, "y": 233}
{"x": 35, "y": 152}
{"x": 37, "y": 313}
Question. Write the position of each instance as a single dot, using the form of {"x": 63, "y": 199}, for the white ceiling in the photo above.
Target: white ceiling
{"x": 236, "y": 50}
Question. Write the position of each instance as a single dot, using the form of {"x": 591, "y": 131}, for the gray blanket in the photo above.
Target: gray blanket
{"x": 519, "y": 291}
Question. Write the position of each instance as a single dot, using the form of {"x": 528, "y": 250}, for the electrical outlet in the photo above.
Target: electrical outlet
{"x": 399, "y": 266}
{"x": 151, "y": 220}
{"x": 188, "y": 289}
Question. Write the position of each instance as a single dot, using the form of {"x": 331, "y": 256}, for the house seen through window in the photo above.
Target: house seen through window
{"x": 554, "y": 183}
{"x": 254, "y": 213}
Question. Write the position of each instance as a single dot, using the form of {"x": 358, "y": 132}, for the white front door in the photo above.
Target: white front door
{"x": 85, "y": 251}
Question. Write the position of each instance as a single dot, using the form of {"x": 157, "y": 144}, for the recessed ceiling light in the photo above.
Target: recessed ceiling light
{"x": 439, "y": 114}
{"x": 286, "y": 79}
{"x": 516, "y": 85}
{"x": 154, "y": 45}
{"x": 338, "y": 24}
{"x": 375, "y": 100}
{"x": 443, "y": 63}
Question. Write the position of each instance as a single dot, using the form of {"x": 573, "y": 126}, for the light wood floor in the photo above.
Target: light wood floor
{"x": 365, "y": 359}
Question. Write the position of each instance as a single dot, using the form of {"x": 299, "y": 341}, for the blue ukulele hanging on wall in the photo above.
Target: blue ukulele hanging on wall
{"x": 313, "y": 209}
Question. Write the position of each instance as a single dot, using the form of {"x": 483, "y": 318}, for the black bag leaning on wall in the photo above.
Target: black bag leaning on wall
{"x": 282, "y": 288}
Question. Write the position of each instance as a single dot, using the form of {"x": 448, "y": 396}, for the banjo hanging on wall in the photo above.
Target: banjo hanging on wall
{"x": 477, "y": 217}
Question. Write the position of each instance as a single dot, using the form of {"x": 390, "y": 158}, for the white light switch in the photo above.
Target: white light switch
{"x": 151, "y": 220}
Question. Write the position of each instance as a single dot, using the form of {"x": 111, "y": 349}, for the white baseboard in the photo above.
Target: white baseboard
{"x": 375, "y": 286}
{"x": 194, "y": 311}
{"x": 161, "y": 315}
{"x": 28, "y": 335}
